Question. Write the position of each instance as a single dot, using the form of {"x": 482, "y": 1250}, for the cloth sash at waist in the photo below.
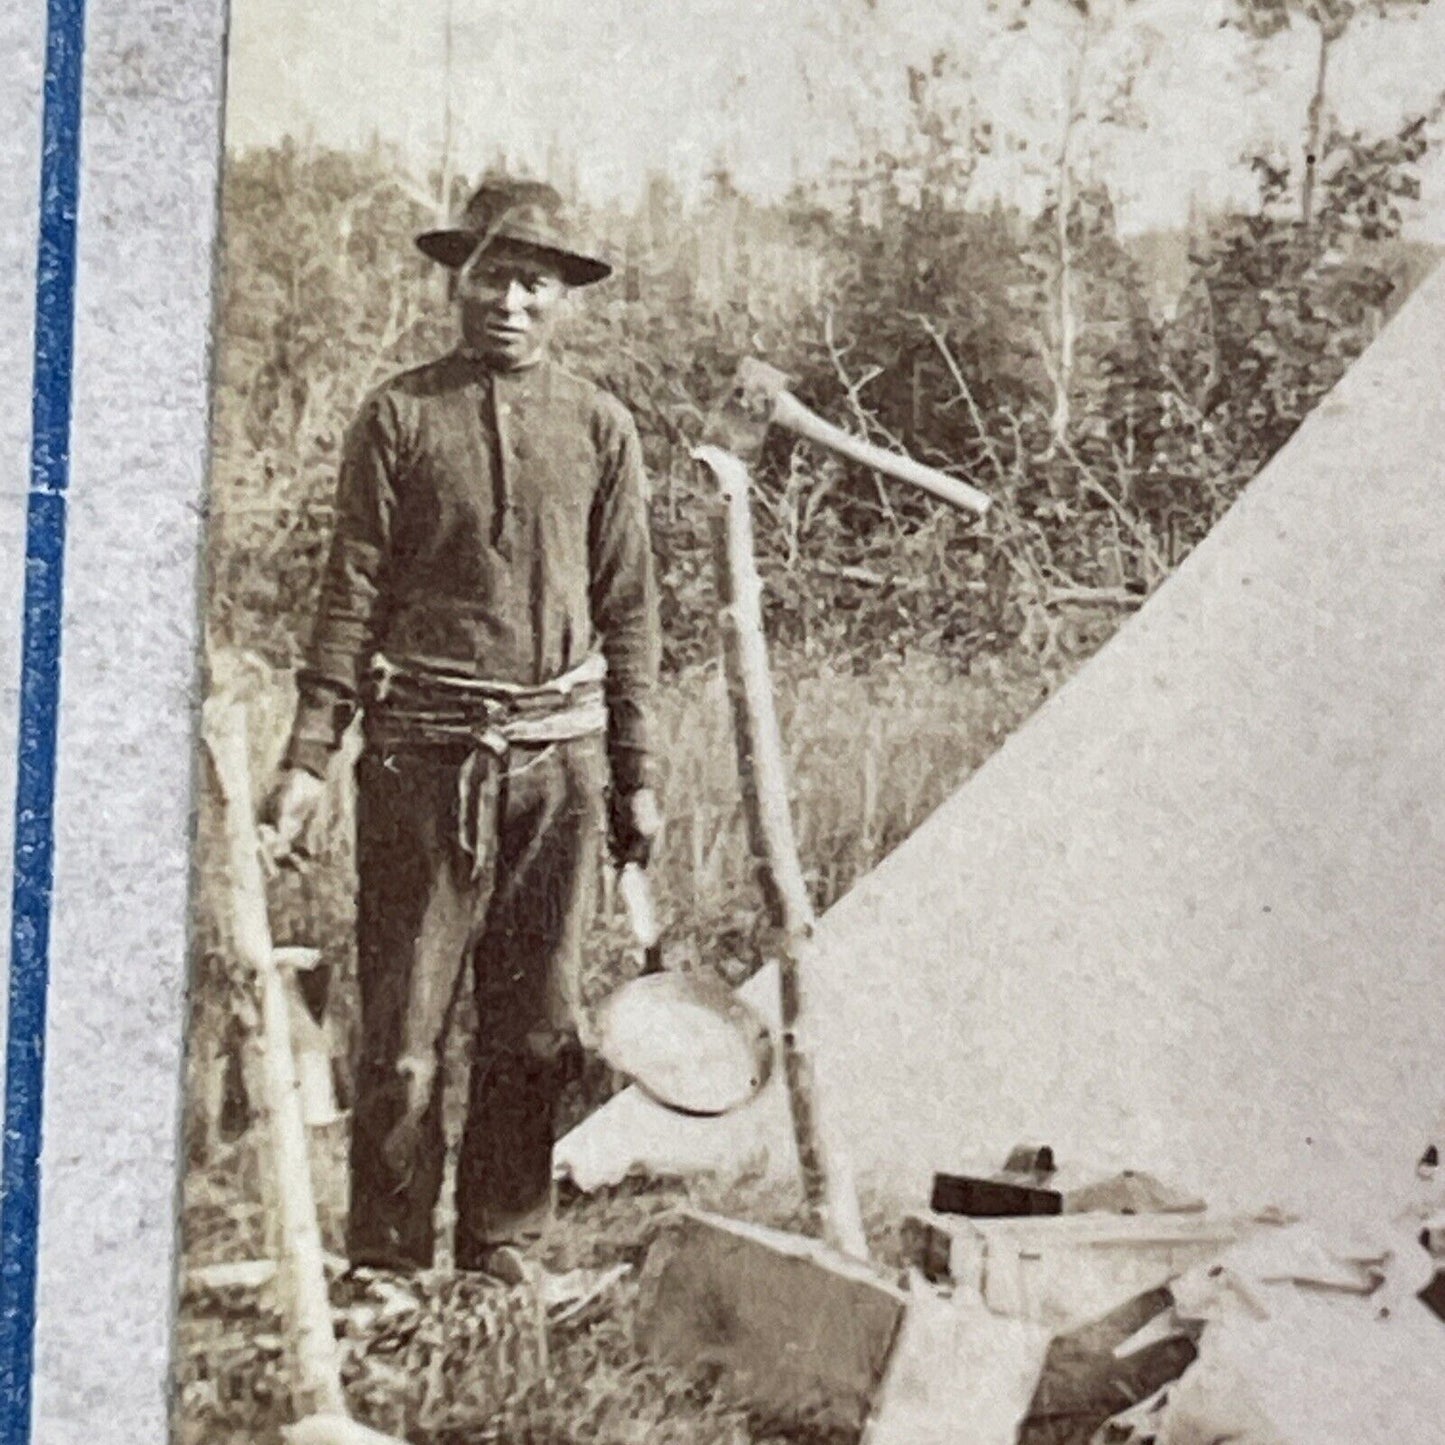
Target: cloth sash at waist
{"x": 417, "y": 704}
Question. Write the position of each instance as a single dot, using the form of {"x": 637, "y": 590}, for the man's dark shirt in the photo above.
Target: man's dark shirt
{"x": 492, "y": 523}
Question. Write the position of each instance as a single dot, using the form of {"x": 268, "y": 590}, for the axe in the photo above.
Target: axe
{"x": 759, "y": 398}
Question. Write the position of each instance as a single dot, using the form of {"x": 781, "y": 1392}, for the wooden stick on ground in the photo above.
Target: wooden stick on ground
{"x": 316, "y": 1369}
{"x": 828, "y": 1185}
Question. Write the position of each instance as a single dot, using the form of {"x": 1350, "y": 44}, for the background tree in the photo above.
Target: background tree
{"x": 1330, "y": 19}
{"x": 1104, "y": 50}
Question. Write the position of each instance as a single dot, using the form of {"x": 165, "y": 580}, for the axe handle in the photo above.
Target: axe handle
{"x": 316, "y": 1361}
{"x": 789, "y": 412}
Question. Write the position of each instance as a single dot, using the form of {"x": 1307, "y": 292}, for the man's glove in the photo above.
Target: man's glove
{"x": 634, "y": 823}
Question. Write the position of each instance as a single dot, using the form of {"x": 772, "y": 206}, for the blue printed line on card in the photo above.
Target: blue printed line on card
{"x": 39, "y": 709}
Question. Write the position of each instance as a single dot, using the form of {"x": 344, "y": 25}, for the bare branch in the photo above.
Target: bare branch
{"x": 964, "y": 391}
{"x": 865, "y": 419}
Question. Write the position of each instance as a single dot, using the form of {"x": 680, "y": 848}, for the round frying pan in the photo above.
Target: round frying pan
{"x": 685, "y": 1039}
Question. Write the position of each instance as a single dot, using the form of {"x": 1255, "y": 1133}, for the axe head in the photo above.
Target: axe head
{"x": 739, "y": 420}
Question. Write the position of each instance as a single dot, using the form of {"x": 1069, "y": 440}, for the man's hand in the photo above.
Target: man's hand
{"x": 636, "y": 822}
{"x": 288, "y": 814}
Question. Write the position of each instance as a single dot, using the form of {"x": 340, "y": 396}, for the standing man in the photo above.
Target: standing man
{"x": 489, "y": 605}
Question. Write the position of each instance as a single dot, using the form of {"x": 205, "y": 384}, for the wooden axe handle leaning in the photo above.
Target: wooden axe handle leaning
{"x": 789, "y": 412}
{"x": 316, "y": 1360}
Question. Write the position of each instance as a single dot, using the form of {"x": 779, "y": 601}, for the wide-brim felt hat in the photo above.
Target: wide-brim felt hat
{"x": 515, "y": 213}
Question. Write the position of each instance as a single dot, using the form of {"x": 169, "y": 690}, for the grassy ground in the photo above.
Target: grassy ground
{"x": 870, "y": 756}
{"x": 438, "y": 1362}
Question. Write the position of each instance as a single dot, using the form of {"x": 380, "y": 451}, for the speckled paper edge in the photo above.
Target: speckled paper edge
{"x": 148, "y": 133}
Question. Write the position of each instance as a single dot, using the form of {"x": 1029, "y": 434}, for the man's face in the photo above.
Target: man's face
{"x": 508, "y": 304}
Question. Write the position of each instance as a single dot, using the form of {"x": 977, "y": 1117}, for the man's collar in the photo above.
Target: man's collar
{"x": 477, "y": 360}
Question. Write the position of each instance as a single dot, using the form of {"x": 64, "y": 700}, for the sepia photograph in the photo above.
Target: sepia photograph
{"x": 819, "y": 792}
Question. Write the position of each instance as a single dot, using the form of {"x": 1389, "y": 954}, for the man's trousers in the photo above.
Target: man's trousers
{"x": 512, "y": 910}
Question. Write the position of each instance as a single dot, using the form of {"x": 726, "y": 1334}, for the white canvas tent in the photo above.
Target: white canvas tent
{"x": 1191, "y": 917}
